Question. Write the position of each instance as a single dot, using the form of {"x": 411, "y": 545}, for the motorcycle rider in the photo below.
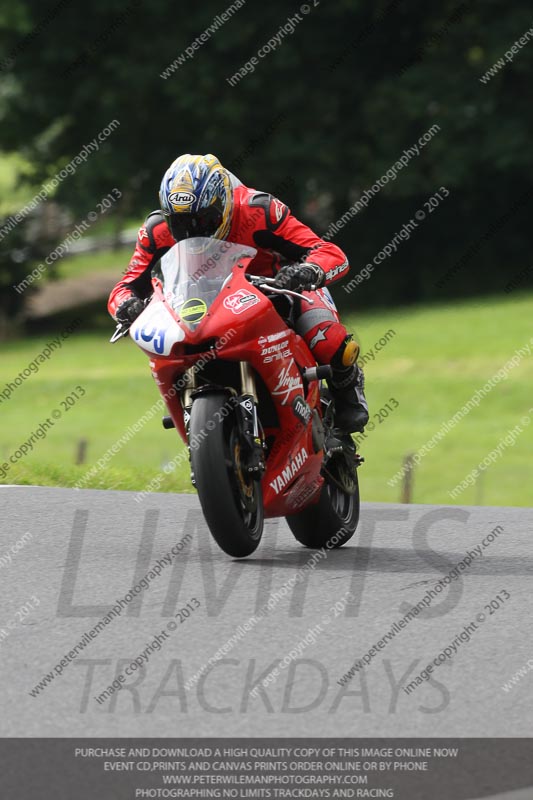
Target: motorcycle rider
{"x": 199, "y": 197}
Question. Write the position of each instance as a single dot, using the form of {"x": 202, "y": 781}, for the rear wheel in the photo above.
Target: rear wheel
{"x": 231, "y": 501}
{"x": 332, "y": 521}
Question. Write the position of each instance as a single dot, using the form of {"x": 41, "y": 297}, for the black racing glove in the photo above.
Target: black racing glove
{"x": 300, "y": 277}
{"x": 129, "y": 310}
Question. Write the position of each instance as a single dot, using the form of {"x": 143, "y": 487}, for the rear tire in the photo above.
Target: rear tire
{"x": 331, "y": 522}
{"x": 231, "y": 501}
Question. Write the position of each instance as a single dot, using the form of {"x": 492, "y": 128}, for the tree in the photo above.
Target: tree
{"x": 343, "y": 91}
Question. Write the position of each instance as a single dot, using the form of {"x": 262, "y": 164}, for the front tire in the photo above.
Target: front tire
{"x": 232, "y": 502}
{"x": 331, "y": 522}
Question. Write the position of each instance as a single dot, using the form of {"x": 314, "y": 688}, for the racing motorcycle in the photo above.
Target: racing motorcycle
{"x": 246, "y": 396}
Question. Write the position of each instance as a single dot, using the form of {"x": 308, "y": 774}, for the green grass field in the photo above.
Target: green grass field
{"x": 436, "y": 359}
{"x": 88, "y": 263}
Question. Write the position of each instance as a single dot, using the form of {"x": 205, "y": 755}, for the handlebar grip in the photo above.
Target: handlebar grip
{"x": 317, "y": 373}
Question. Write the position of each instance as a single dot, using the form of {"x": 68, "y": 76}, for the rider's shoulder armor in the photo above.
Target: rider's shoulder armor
{"x": 150, "y": 234}
{"x": 274, "y": 210}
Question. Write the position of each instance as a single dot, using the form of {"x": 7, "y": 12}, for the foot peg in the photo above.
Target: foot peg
{"x": 168, "y": 423}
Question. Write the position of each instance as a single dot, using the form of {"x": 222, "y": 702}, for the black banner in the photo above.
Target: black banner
{"x": 405, "y": 769}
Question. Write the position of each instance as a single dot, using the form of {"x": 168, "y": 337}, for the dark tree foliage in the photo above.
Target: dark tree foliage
{"x": 349, "y": 87}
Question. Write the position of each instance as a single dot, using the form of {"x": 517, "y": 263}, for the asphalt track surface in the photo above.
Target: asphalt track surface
{"x": 88, "y": 548}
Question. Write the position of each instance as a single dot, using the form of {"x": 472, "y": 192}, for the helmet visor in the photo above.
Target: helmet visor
{"x": 186, "y": 226}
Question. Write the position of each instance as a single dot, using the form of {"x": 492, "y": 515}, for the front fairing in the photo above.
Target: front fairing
{"x": 156, "y": 330}
{"x": 188, "y": 280}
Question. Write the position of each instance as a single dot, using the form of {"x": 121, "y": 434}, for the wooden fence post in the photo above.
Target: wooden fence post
{"x": 81, "y": 452}
{"x": 408, "y": 479}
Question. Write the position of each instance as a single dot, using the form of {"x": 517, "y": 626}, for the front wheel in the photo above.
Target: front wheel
{"x": 331, "y": 522}
{"x": 231, "y": 501}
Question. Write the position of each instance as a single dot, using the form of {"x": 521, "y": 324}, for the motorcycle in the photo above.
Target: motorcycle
{"x": 248, "y": 399}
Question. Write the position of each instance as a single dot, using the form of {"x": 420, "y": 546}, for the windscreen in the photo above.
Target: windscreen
{"x": 194, "y": 272}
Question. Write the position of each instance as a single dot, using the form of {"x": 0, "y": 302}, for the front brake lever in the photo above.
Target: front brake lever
{"x": 285, "y": 291}
{"x": 120, "y": 331}
{"x": 123, "y": 328}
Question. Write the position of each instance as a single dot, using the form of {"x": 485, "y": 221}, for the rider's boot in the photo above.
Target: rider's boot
{"x": 347, "y": 384}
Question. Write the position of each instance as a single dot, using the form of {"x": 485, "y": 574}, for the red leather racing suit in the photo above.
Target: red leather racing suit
{"x": 265, "y": 223}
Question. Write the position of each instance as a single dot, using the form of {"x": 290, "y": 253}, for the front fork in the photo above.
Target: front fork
{"x": 252, "y": 454}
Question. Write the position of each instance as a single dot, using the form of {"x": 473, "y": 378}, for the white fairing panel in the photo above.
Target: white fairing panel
{"x": 156, "y": 330}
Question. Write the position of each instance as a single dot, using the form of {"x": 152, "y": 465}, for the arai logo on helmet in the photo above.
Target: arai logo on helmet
{"x": 181, "y": 198}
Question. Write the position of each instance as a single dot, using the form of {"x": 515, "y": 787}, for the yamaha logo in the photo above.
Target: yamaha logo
{"x": 181, "y": 198}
